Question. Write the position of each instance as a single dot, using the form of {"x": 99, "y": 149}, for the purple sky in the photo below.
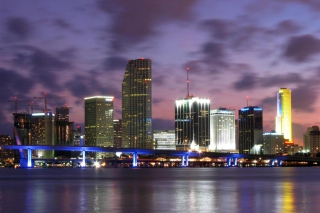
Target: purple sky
{"x": 73, "y": 49}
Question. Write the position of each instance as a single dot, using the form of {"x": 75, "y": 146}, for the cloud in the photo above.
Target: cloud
{"x": 61, "y": 23}
{"x": 302, "y": 48}
{"x": 113, "y": 63}
{"x": 13, "y": 84}
{"x": 43, "y": 67}
{"x": 281, "y": 80}
{"x": 247, "y": 81}
{"x": 304, "y": 97}
{"x": 135, "y": 21}
{"x": 268, "y": 102}
{"x": 18, "y": 27}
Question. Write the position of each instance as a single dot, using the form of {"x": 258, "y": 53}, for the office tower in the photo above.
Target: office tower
{"x": 192, "y": 123}
{"x": 42, "y": 132}
{"x": 164, "y": 139}
{"x": 283, "y": 119}
{"x": 77, "y": 136}
{"x": 311, "y": 141}
{"x": 99, "y": 121}
{"x": 222, "y": 130}
{"x": 273, "y": 143}
{"x": 117, "y": 137}
{"x": 250, "y": 130}
{"x": 63, "y": 128}
{"x": 137, "y": 105}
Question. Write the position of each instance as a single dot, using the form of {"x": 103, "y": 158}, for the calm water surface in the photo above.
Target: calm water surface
{"x": 160, "y": 190}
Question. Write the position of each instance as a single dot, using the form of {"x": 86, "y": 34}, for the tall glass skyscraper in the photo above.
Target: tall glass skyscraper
{"x": 250, "y": 130}
{"x": 192, "y": 123}
{"x": 137, "y": 105}
{"x": 99, "y": 121}
{"x": 222, "y": 130}
{"x": 283, "y": 119}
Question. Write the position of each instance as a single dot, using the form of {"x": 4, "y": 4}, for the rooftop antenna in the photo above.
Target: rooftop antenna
{"x": 247, "y": 101}
{"x": 188, "y": 81}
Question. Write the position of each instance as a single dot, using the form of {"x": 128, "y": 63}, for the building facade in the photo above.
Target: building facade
{"x": 311, "y": 141}
{"x": 273, "y": 143}
{"x": 192, "y": 123}
{"x": 283, "y": 119}
{"x": 117, "y": 126}
{"x": 137, "y": 104}
{"x": 99, "y": 121}
{"x": 164, "y": 139}
{"x": 222, "y": 130}
{"x": 63, "y": 128}
{"x": 250, "y": 130}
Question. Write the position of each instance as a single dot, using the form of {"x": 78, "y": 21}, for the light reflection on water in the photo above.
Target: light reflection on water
{"x": 160, "y": 190}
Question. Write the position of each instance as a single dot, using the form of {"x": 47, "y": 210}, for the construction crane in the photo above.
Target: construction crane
{"x": 45, "y": 97}
{"x": 16, "y": 103}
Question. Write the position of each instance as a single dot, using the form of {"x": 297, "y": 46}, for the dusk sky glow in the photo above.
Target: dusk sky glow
{"x": 234, "y": 49}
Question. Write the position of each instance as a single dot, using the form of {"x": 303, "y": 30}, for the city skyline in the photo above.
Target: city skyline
{"x": 234, "y": 49}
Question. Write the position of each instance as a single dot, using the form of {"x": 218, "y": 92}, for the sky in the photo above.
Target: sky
{"x": 234, "y": 49}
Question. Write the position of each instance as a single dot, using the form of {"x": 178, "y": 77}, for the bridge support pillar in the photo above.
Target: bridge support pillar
{"x": 29, "y": 164}
{"x": 229, "y": 161}
{"x": 135, "y": 159}
{"x": 235, "y": 161}
{"x": 182, "y": 160}
{"x": 279, "y": 162}
{"x": 83, "y": 164}
{"x": 271, "y": 163}
{"x": 187, "y": 160}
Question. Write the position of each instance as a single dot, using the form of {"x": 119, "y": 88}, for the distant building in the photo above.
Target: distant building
{"x": 99, "y": 122}
{"x": 77, "y": 136}
{"x": 250, "y": 130}
{"x": 312, "y": 140}
{"x": 222, "y": 130}
{"x": 23, "y": 127}
{"x": 306, "y": 138}
{"x": 273, "y": 143}
{"x": 42, "y": 132}
{"x": 192, "y": 123}
{"x": 117, "y": 140}
{"x": 137, "y": 105}
{"x": 283, "y": 119}
{"x": 63, "y": 128}
{"x": 164, "y": 139}
{"x": 6, "y": 154}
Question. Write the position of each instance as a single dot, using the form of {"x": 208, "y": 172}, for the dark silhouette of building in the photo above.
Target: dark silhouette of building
{"x": 250, "y": 130}
{"x": 63, "y": 128}
{"x": 117, "y": 141}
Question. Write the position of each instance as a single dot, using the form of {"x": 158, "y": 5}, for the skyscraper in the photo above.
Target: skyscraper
{"x": 63, "y": 128}
{"x": 137, "y": 105}
{"x": 99, "y": 121}
{"x": 222, "y": 129}
{"x": 283, "y": 119}
{"x": 250, "y": 130}
{"x": 192, "y": 123}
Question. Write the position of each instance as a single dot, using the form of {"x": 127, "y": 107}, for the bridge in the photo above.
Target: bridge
{"x": 231, "y": 158}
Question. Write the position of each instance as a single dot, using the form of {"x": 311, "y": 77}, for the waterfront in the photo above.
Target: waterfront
{"x": 268, "y": 189}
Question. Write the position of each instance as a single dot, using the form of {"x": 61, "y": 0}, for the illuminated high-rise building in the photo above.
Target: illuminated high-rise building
{"x": 250, "y": 130}
{"x": 99, "y": 121}
{"x": 283, "y": 119}
{"x": 137, "y": 105}
{"x": 222, "y": 130}
{"x": 192, "y": 123}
